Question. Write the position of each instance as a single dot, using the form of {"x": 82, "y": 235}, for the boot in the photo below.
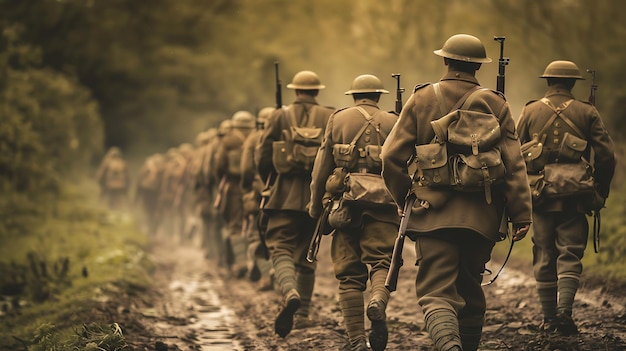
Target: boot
{"x": 286, "y": 277}
{"x": 284, "y": 320}
{"x": 306, "y": 284}
{"x": 443, "y": 327}
{"x": 470, "y": 337}
{"x": 567, "y": 287}
{"x": 352, "y": 306}
{"x": 376, "y": 311}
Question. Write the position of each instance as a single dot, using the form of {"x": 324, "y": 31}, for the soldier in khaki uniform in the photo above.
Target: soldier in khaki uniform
{"x": 114, "y": 178}
{"x": 147, "y": 193}
{"x": 369, "y": 239}
{"x": 228, "y": 170}
{"x": 209, "y": 185}
{"x": 252, "y": 186}
{"x": 289, "y": 227}
{"x": 560, "y": 229}
{"x": 455, "y": 231}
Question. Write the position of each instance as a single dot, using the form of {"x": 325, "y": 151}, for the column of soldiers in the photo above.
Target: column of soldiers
{"x": 301, "y": 157}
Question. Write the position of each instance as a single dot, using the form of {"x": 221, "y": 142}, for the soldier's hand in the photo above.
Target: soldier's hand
{"x": 520, "y": 231}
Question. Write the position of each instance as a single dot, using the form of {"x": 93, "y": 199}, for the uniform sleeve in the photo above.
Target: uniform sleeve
{"x": 397, "y": 149}
{"x": 263, "y": 151}
{"x": 516, "y": 189}
{"x": 322, "y": 168}
{"x": 522, "y": 127}
{"x": 604, "y": 155}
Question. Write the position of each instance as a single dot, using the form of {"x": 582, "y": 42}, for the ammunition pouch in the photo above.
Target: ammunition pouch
{"x": 345, "y": 155}
{"x": 571, "y": 148}
{"x": 432, "y": 159}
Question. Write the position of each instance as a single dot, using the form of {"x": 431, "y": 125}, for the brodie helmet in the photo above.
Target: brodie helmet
{"x": 366, "y": 83}
{"x": 464, "y": 47}
{"x": 562, "y": 69}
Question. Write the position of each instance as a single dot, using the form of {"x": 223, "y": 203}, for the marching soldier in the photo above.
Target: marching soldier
{"x": 114, "y": 179}
{"x": 566, "y": 129}
{"x": 368, "y": 239}
{"x": 228, "y": 170}
{"x": 287, "y": 149}
{"x": 455, "y": 231}
{"x": 212, "y": 219}
{"x": 147, "y": 193}
{"x": 252, "y": 186}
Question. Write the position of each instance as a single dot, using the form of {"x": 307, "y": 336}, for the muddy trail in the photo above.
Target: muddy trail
{"x": 193, "y": 307}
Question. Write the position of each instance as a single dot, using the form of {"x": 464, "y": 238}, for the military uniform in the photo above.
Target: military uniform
{"x": 252, "y": 185}
{"x": 289, "y": 227}
{"x": 560, "y": 228}
{"x": 228, "y": 169}
{"x": 114, "y": 179}
{"x": 147, "y": 193}
{"x": 369, "y": 240}
{"x": 455, "y": 231}
{"x": 207, "y": 183}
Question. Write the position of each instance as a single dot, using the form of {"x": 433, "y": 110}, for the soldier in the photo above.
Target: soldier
{"x": 228, "y": 170}
{"x": 202, "y": 195}
{"x": 189, "y": 200}
{"x": 252, "y": 186}
{"x": 560, "y": 228}
{"x": 455, "y": 231}
{"x": 287, "y": 148}
{"x": 369, "y": 238}
{"x": 147, "y": 193}
{"x": 212, "y": 219}
{"x": 114, "y": 179}
{"x": 168, "y": 210}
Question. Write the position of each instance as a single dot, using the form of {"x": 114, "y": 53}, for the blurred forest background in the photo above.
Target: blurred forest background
{"x": 78, "y": 76}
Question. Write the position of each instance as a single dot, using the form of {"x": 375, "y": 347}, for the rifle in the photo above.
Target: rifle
{"x": 314, "y": 246}
{"x": 222, "y": 188}
{"x": 391, "y": 282}
{"x": 399, "y": 92}
{"x": 502, "y": 62}
{"x": 279, "y": 95}
{"x": 594, "y": 86}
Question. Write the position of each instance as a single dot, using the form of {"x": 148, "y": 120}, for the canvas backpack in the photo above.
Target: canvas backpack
{"x": 297, "y": 151}
{"x": 463, "y": 154}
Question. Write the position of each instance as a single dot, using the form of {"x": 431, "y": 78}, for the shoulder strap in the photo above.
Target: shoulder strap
{"x": 474, "y": 93}
{"x": 369, "y": 119}
{"x": 442, "y": 105}
{"x": 558, "y": 111}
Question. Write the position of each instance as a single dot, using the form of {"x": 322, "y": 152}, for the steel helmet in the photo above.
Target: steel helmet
{"x": 202, "y": 138}
{"x": 243, "y": 119}
{"x": 562, "y": 69}
{"x": 464, "y": 47}
{"x": 224, "y": 127}
{"x": 366, "y": 83}
{"x": 306, "y": 80}
{"x": 264, "y": 115}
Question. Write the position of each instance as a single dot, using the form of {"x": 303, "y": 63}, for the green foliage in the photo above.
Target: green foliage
{"x": 76, "y": 258}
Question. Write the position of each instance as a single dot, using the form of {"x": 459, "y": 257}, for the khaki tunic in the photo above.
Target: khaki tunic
{"x": 371, "y": 241}
{"x": 458, "y": 209}
{"x": 560, "y": 228}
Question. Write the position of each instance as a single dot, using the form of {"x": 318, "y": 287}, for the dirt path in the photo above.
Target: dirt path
{"x": 192, "y": 308}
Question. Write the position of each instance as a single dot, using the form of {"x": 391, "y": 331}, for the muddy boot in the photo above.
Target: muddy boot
{"x": 284, "y": 320}
{"x": 443, "y": 327}
{"x": 470, "y": 337}
{"x": 306, "y": 284}
{"x": 352, "y": 306}
{"x": 285, "y": 272}
{"x": 566, "y": 325}
{"x": 376, "y": 311}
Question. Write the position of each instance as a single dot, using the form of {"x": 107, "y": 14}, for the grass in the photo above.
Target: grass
{"x": 78, "y": 257}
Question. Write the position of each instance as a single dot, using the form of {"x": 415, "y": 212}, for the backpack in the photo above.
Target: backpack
{"x": 462, "y": 155}
{"x": 234, "y": 155}
{"x": 115, "y": 177}
{"x": 297, "y": 151}
{"x": 150, "y": 176}
{"x": 347, "y": 155}
{"x": 562, "y": 172}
